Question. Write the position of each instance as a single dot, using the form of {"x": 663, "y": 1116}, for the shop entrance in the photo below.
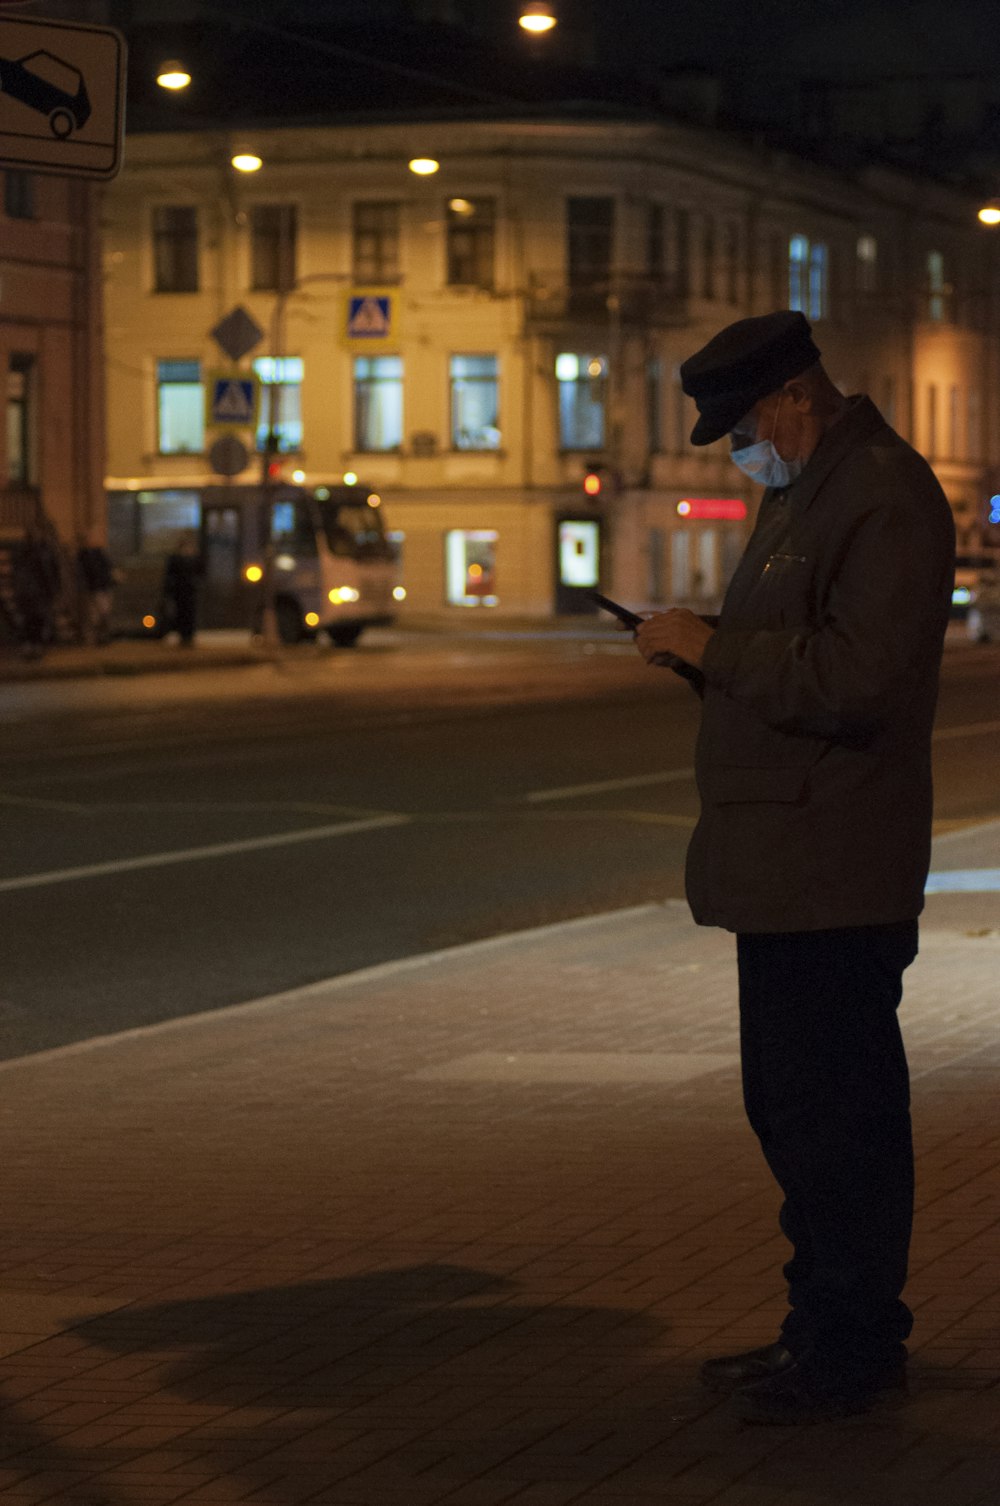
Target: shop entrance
{"x": 578, "y": 564}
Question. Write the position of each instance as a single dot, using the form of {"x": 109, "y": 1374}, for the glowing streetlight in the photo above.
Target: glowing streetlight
{"x": 990, "y": 213}
{"x": 173, "y": 75}
{"x": 537, "y": 17}
{"x": 247, "y": 162}
{"x": 424, "y": 166}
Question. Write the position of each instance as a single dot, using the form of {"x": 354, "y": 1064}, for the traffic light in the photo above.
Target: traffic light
{"x": 592, "y": 483}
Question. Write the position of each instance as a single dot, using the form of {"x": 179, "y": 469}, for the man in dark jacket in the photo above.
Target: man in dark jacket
{"x": 820, "y": 682}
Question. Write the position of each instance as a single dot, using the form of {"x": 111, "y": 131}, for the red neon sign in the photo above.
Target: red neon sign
{"x": 730, "y": 508}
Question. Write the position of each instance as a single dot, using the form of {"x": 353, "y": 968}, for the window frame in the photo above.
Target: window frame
{"x": 289, "y": 391}
{"x": 577, "y": 444}
{"x": 480, "y": 259}
{"x": 278, "y": 245}
{"x": 360, "y": 384}
{"x": 180, "y": 243}
{"x": 19, "y": 198}
{"x": 161, "y": 383}
{"x": 384, "y": 267}
{"x": 493, "y": 381}
{"x": 21, "y": 410}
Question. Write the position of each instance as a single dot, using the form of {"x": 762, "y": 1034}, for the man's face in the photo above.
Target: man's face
{"x": 773, "y": 417}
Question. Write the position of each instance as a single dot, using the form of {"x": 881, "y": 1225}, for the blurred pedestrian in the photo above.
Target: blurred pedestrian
{"x": 819, "y": 682}
{"x": 181, "y": 588}
{"x": 35, "y": 581}
{"x": 95, "y": 576}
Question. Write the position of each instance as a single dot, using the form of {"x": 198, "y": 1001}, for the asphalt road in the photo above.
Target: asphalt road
{"x": 181, "y": 843}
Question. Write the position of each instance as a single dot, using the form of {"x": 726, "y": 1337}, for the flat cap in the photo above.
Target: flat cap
{"x": 742, "y": 363}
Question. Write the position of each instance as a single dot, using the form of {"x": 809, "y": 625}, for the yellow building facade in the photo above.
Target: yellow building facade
{"x": 494, "y": 346}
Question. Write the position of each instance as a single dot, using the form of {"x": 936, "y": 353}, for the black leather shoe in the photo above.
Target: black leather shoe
{"x": 731, "y": 1371}
{"x": 795, "y": 1395}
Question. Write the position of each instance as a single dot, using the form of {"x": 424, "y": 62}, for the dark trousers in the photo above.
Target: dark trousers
{"x": 826, "y": 1088}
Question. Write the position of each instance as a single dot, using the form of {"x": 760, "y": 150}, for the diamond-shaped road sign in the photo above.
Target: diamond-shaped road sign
{"x": 62, "y": 97}
{"x": 237, "y": 334}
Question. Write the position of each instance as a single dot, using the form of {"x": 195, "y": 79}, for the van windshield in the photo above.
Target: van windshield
{"x": 354, "y": 530}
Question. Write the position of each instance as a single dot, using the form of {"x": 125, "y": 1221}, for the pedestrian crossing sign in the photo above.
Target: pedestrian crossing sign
{"x": 371, "y": 318}
{"x": 233, "y": 400}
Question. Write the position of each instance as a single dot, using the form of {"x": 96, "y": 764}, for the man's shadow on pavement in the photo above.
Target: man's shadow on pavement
{"x": 461, "y": 1378}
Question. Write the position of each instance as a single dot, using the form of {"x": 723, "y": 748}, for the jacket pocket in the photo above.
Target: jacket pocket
{"x": 745, "y": 784}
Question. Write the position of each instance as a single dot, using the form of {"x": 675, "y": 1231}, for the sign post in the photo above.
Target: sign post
{"x": 62, "y": 96}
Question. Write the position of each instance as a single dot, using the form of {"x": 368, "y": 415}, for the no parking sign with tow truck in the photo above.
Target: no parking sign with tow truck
{"x": 62, "y": 96}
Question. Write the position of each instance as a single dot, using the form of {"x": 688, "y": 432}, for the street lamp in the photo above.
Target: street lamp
{"x": 173, "y": 75}
{"x": 990, "y": 213}
{"x": 537, "y": 17}
{"x": 247, "y": 162}
{"x": 423, "y": 166}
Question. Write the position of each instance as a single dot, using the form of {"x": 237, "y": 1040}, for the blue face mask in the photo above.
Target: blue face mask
{"x": 761, "y": 461}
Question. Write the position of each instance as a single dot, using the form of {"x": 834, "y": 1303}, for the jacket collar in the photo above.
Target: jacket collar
{"x": 857, "y": 425}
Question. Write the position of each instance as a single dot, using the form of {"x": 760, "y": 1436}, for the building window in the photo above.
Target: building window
{"x": 18, "y": 195}
{"x": 378, "y": 402}
{"x": 471, "y": 233}
{"x": 583, "y": 381}
{"x": 932, "y": 426}
{"x": 682, "y": 252}
{"x": 938, "y": 291}
{"x": 779, "y": 271}
{"x": 180, "y": 408}
{"x": 590, "y": 229}
{"x": 175, "y": 248}
{"x": 708, "y": 257}
{"x": 376, "y": 242}
{"x": 867, "y": 264}
{"x": 474, "y": 403}
{"x": 471, "y": 567}
{"x": 808, "y": 276}
{"x": 654, "y": 404}
{"x": 732, "y": 252}
{"x": 20, "y": 420}
{"x": 681, "y": 415}
{"x": 953, "y": 437}
{"x": 273, "y": 237}
{"x": 973, "y": 437}
{"x": 281, "y": 384}
{"x": 656, "y": 241}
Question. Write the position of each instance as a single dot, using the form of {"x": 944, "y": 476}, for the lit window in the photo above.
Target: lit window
{"x": 180, "y": 408}
{"x": 20, "y": 447}
{"x": 582, "y": 383}
{"x": 281, "y": 380}
{"x": 474, "y": 403}
{"x": 867, "y": 264}
{"x": 808, "y": 276}
{"x": 470, "y": 567}
{"x": 938, "y": 291}
{"x": 378, "y": 402}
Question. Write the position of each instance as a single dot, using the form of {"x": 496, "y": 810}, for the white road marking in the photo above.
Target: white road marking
{"x": 973, "y": 729}
{"x": 197, "y": 854}
{"x": 634, "y": 782}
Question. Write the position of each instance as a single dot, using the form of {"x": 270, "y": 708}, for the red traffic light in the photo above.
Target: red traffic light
{"x": 592, "y": 484}
{"x": 274, "y": 470}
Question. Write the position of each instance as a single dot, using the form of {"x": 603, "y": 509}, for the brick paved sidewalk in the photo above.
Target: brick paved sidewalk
{"x": 461, "y": 1231}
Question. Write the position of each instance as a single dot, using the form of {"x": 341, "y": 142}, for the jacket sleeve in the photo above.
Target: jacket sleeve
{"x": 883, "y": 612}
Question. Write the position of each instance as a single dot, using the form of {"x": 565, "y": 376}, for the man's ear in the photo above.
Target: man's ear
{"x": 801, "y": 394}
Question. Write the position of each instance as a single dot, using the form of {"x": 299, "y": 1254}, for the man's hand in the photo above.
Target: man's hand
{"x": 677, "y": 632}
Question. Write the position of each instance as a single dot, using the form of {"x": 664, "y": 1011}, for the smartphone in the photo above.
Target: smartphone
{"x": 631, "y": 620}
